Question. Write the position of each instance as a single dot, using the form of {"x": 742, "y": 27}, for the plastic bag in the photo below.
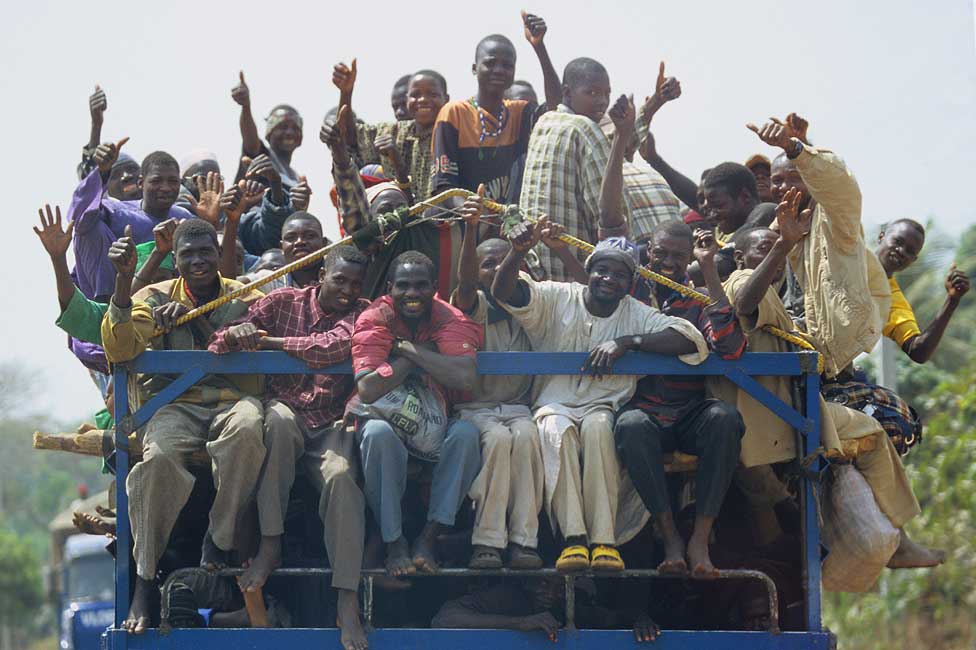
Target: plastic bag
{"x": 417, "y": 413}
{"x": 859, "y": 537}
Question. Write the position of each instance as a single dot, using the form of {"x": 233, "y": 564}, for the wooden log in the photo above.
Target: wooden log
{"x": 88, "y": 442}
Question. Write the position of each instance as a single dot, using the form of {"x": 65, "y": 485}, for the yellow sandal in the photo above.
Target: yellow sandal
{"x": 606, "y": 559}
{"x": 573, "y": 559}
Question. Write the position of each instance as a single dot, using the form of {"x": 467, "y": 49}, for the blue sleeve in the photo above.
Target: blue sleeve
{"x": 260, "y": 228}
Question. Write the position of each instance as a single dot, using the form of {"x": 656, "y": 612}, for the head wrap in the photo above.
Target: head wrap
{"x": 196, "y": 157}
{"x": 374, "y": 170}
{"x": 615, "y": 248}
{"x": 758, "y": 159}
{"x": 691, "y": 216}
{"x": 144, "y": 250}
{"x": 124, "y": 159}
{"x": 375, "y": 190}
{"x": 280, "y": 114}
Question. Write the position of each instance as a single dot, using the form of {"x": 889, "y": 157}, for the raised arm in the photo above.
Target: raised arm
{"x": 612, "y": 222}
{"x": 920, "y": 348}
{"x": 56, "y": 242}
{"x": 232, "y": 204}
{"x": 466, "y": 295}
{"x": 353, "y": 205}
{"x": 97, "y": 104}
{"x": 251, "y": 141}
{"x": 163, "y": 238}
{"x": 550, "y": 233}
{"x": 127, "y": 327}
{"x": 505, "y": 287}
{"x": 718, "y": 321}
{"x": 344, "y": 78}
{"x": 535, "y": 32}
{"x": 793, "y": 226}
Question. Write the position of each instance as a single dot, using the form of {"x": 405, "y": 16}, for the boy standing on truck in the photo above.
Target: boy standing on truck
{"x": 303, "y": 416}
{"x": 220, "y": 414}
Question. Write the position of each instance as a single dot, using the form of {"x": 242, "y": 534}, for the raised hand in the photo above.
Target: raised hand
{"x": 550, "y": 233}
{"x": 241, "y": 93}
{"x": 55, "y": 240}
{"x": 524, "y": 235}
{"x": 623, "y": 114}
{"x": 535, "y": 28}
{"x": 705, "y": 246}
{"x": 232, "y": 201}
{"x": 163, "y": 235}
{"x": 300, "y": 195}
{"x": 385, "y": 143}
{"x": 122, "y": 254}
{"x": 262, "y": 167}
{"x": 797, "y": 127}
{"x": 666, "y": 88}
{"x": 245, "y": 336}
{"x": 473, "y": 208}
{"x": 344, "y": 76}
{"x": 775, "y": 134}
{"x": 793, "y": 225}
{"x": 165, "y": 315}
{"x": 957, "y": 283}
{"x": 106, "y": 154}
{"x": 333, "y": 132}
{"x": 97, "y": 104}
{"x": 207, "y": 207}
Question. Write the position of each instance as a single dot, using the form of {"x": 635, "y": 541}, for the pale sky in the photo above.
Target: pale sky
{"x": 888, "y": 85}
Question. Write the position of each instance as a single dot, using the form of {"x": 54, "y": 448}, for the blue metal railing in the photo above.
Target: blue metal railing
{"x": 190, "y": 366}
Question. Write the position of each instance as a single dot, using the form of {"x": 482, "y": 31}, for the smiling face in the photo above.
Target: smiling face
{"x": 785, "y": 175}
{"x": 412, "y": 289}
{"x": 286, "y": 137}
{"x": 494, "y": 66}
{"x": 609, "y": 282}
{"x": 670, "y": 255}
{"x": 763, "y": 185}
{"x": 197, "y": 259}
{"x": 299, "y": 237}
{"x": 425, "y": 97}
{"x": 726, "y": 211}
{"x": 160, "y": 188}
{"x": 341, "y": 285}
{"x": 760, "y": 242}
{"x": 898, "y": 246}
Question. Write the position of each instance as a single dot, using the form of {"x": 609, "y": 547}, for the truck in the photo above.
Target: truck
{"x": 81, "y": 583}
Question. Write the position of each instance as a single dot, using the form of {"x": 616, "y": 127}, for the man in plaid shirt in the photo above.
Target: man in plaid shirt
{"x": 314, "y": 324}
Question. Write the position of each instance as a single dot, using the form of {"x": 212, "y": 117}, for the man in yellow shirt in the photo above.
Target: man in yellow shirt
{"x": 899, "y": 244}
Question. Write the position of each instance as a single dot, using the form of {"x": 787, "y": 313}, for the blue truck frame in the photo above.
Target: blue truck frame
{"x": 191, "y": 366}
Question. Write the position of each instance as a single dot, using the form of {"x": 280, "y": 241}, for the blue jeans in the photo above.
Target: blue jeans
{"x": 384, "y": 459}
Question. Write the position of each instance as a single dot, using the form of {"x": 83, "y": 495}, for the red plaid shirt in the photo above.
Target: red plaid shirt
{"x": 318, "y": 338}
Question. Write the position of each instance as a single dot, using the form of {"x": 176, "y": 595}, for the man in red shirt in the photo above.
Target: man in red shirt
{"x": 314, "y": 324}
{"x": 410, "y": 342}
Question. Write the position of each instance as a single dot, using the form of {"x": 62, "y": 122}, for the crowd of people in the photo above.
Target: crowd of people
{"x": 415, "y": 461}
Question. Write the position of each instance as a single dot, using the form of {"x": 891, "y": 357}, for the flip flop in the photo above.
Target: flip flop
{"x": 573, "y": 559}
{"x": 607, "y": 559}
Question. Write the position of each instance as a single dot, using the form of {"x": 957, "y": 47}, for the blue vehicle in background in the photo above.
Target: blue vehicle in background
{"x": 86, "y": 598}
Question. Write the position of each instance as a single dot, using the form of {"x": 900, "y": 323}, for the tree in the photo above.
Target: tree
{"x": 20, "y": 589}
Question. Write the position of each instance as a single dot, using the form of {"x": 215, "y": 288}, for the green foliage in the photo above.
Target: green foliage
{"x": 20, "y": 580}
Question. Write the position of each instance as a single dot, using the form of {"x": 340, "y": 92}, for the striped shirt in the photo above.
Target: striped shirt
{"x": 666, "y": 398}
{"x": 564, "y": 170}
{"x": 651, "y": 200}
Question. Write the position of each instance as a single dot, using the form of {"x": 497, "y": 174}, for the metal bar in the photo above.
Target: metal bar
{"x": 811, "y": 523}
{"x": 765, "y": 397}
{"x": 570, "y": 586}
{"x": 168, "y": 394}
{"x": 424, "y": 639}
{"x": 368, "y": 605}
{"x": 489, "y": 363}
{"x": 121, "y": 383}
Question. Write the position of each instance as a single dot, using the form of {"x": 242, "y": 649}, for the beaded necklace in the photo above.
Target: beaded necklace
{"x": 502, "y": 120}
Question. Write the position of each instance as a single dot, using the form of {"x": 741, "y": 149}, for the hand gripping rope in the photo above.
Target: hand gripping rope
{"x": 391, "y": 222}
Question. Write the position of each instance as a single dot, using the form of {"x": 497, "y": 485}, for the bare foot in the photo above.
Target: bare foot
{"x": 212, "y": 557}
{"x": 674, "y": 556}
{"x": 398, "y": 562}
{"x": 92, "y": 524}
{"x": 108, "y": 513}
{"x": 353, "y": 635}
{"x": 424, "y": 556}
{"x": 698, "y": 558}
{"x": 911, "y": 555}
{"x": 260, "y": 566}
{"x": 138, "y": 619}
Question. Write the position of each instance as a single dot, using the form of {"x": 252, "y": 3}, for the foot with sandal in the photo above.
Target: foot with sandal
{"x": 576, "y": 557}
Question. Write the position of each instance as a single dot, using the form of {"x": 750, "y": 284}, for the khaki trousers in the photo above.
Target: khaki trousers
{"x": 584, "y": 501}
{"x": 160, "y": 485}
{"x": 328, "y": 456}
{"x": 510, "y": 482}
{"x": 881, "y": 467}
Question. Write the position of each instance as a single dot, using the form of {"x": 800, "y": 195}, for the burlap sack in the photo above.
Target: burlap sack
{"x": 859, "y": 537}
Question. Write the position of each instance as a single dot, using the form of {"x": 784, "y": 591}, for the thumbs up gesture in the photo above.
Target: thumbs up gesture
{"x": 122, "y": 254}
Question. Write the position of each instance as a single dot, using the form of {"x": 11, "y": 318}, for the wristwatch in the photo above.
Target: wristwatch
{"x": 797, "y": 149}
{"x": 636, "y": 342}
